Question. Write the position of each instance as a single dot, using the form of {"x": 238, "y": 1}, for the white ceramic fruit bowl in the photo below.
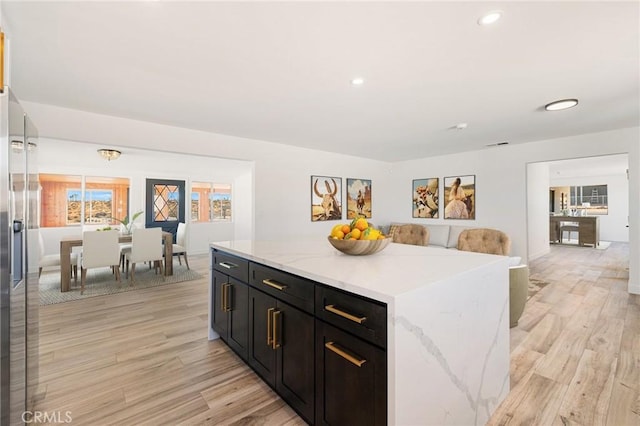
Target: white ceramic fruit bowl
{"x": 359, "y": 247}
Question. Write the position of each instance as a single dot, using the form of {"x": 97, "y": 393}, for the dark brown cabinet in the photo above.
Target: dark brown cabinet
{"x": 230, "y": 303}
{"x": 351, "y": 379}
{"x": 323, "y": 350}
{"x": 351, "y": 362}
{"x": 281, "y": 350}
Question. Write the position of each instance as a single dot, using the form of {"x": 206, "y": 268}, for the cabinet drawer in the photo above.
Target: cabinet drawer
{"x": 231, "y": 265}
{"x": 290, "y": 288}
{"x": 362, "y": 317}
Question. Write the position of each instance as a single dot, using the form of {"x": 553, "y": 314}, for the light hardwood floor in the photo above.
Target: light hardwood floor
{"x": 143, "y": 357}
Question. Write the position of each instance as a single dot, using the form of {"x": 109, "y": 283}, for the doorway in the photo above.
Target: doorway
{"x": 165, "y": 204}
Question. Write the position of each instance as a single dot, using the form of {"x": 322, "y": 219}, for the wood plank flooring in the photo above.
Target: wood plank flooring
{"x": 143, "y": 358}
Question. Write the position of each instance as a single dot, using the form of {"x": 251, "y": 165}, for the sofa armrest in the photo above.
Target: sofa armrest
{"x": 518, "y": 292}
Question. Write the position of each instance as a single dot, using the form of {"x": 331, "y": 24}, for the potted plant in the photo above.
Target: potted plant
{"x": 127, "y": 224}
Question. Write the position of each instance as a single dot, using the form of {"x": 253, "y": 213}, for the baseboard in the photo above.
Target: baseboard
{"x": 539, "y": 254}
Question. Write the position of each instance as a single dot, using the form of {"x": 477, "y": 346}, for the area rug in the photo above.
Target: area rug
{"x": 535, "y": 285}
{"x": 101, "y": 281}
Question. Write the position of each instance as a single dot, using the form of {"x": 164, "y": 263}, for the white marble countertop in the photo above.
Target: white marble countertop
{"x": 396, "y": 270}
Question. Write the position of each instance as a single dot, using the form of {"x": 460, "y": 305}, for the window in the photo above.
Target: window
{"x": 210, "y": 202}
{"x": 166, "y": 202}
{"x": 75, "y": 200}
{"x": 195, "y": 206}
{"x": 220, "y": 201}
{"x": 589, "y": 199}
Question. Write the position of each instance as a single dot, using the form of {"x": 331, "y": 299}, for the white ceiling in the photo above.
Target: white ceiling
{"x": 281, "y": 71}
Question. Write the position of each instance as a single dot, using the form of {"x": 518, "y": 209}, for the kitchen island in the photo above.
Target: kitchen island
{"x": 446, "y": 342}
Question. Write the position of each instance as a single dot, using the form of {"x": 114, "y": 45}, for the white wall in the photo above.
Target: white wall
{"x": 501, "y": 184}
{"x": 613, "y": 226}
{"x": 282, "y": 173}
{"x": 537, "y": 209}
{"x": 280, "y": 181}
{"x": 68, "y": 157}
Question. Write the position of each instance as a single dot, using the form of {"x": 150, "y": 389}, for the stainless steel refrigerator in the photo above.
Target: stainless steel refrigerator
{"x": 19, "y": 255}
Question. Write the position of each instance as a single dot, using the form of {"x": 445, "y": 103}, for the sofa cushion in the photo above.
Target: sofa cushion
{"x": 411, "y": 233}
{"x": 484, "y": 240}
{"x": 438, "y": 235}
{"x": 392, "y": 229}
{"x": 454, "y": 233}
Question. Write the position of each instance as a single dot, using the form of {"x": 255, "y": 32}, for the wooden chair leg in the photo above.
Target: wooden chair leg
{"x": 39, "y": 272}
{"x": 75, "y": 274}
{"x": 82, "y": 280}
{"x": 186, "y": 261}
{"x": 133, "y": 272}
{"x": 118, "y": 278}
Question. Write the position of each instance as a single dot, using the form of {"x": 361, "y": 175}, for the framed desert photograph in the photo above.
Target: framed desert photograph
{"x": 358, "y": 198}
{"x": 426, "y": 198}
{"x": 460, "y": 197}
{"x": 326, "y": 198}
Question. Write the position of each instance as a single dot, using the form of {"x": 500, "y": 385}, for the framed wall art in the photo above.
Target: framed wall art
{"x": 426, "y": 199}
{"x": 460, "y": 197}
{"x": 358, "y": 198}
{"x": 326, "y": 198}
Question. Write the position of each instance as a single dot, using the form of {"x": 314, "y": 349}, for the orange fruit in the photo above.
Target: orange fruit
{"x": 335, "y": 229}
{"x": 339, "y": 235}
{"x": 361, "y": 224}
{"x": 346, "y": 229}
{"x": 355, "y": 233}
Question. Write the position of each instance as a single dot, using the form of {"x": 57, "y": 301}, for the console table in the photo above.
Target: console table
{"x": 588, "y": 229}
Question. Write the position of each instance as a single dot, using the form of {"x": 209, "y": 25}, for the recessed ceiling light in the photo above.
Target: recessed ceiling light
{"x": 357, "y": 81}
{"x": 461, "y": 126}
{"x": 561, "y": 104}
{"x": 490, "y": 18}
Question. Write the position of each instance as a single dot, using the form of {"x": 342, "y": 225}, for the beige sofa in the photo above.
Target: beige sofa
{"x": 445, "y": 236}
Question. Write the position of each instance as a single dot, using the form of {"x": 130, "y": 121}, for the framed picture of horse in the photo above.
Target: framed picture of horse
{"x": 426, "y": 198}
{"x": 326, "y": 198}
{"x": 460, "y": 197}
{"x": 358, "y": 198}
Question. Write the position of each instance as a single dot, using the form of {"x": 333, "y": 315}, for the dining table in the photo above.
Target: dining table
{"x": 67, "y": 243}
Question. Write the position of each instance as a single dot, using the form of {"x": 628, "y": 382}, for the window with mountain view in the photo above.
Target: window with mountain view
{"x": 70, "y": 200}
{"x": 210, "y": 202}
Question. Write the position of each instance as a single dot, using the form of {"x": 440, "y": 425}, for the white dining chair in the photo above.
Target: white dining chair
{"x": 99, "y": 249}
{"x": 53, "y": 260}
{"x": 180, "y": 247}
{"x": 146, "y": 246}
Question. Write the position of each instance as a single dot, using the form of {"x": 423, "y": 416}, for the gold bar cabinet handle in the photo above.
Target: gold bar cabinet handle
{"x": 228, "y": 302}
{"x": 344, "y": 354}
{"x": 276, "y": 316}
{"x": 228, "y": 265}
{"x": 343, "y": 314}
{"x": 274, "y": 284}
{"x": 270, "y": 326}
{"x": 223, "y": 297}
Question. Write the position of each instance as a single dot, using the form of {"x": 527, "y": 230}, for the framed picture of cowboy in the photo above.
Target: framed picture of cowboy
{"x": 426, "y": 198}
{"x": 326, "y": 198}
{"x": 460, "y": 197}
{"x": 358, "y": 198}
